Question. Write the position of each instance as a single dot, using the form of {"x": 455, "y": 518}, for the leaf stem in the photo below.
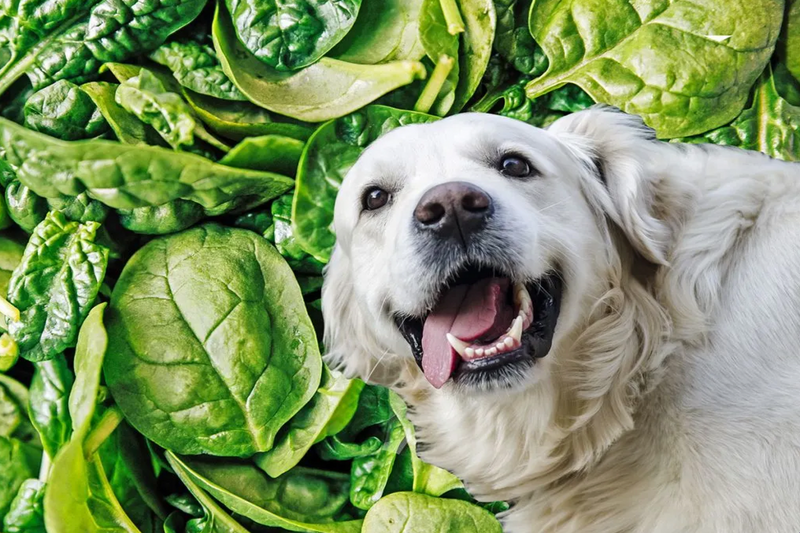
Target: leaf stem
{"x": 435, "y": 83}
{"x": 455, "y": 24}
{"x": 9, "y": 310}
{"x": 108, "y": 423}
{"x": 44, "y": 469}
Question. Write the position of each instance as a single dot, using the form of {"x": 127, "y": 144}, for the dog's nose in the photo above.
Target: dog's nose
{"x": 453, "y": 207}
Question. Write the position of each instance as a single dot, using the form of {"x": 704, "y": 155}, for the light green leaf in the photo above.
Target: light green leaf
{"x": 407, "y": 511}
{"x": 197, "y": 68}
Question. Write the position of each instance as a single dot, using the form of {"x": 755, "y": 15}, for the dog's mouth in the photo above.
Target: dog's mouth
{"x": 485, "y": 327}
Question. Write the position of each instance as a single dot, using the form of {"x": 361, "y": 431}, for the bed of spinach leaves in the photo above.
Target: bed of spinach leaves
{"x": 169, "y": 171}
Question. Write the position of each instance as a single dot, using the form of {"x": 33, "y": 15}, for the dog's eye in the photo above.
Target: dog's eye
{"x": 515, "y": 166}
{"x": 375, "y": 198}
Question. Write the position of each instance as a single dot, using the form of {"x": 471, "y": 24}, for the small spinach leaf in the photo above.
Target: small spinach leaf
{"x": 197, "y": 68}
{"x": 26, "y": 208}
{"x": 408, "y": 511}
{"x": 282, "y": 234}
{"x": 125, "y": 125}
{"x": 170, "y": 217}
{"x": 513, "y": 39}
{"x": 18, "y": 462}
{"x": 55, "y": 285}
{"x": 480, "y": 19}
{"x": 217, "y": 312}
{"x": 270, "y": 153}
{"x": 48, "y": 405}
{"x": 64, "y": 111}
{"x": 26, "y": 514}
{"x": 291, "y": 34}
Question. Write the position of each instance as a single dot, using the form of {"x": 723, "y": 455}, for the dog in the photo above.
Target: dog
{"x": 601, "y": 328}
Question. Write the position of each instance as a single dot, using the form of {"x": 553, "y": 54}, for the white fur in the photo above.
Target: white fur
{"x": 670, "y": 401}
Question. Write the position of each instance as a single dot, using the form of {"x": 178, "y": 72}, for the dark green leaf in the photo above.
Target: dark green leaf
{"x": 203, "y": 310}
{"x": 55, "y": 285}
{"x": 270, "y": 153}
{"x": 259, "y": 221}
{"x": 63, "y": 110}
{"x": 284, "y": 239}
{"x": 513, "y": 39}
{"x": 302, "y": 500}
{"x": 370, "y": 473}
{"x": 173, "y": 216}
{"x": 25, "y": 207}
{"x": 684, "y": 67}
{"x": 291, "y": 34}
{"x": 791, "y": 46}
{"x": 18, "y": 462}
{"x": 476, "y": 48}
{"x": 49, "y": 409}
{"x": 10, "y": 414}
{"x": 333, "y": 449}
{"x": 327, "y": 157}
{"x": 26, "y": 515}
{"x": 322, "y": 91}
{"x": 197, "y": 68}
{"x": 408, "y": 511}
{"x": 79, "y": 208}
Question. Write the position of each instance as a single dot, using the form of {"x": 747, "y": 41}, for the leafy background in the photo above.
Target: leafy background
{"x": 169, "y": 170}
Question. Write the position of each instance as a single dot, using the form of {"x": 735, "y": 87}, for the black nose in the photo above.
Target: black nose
{"x": 453, "y": 208}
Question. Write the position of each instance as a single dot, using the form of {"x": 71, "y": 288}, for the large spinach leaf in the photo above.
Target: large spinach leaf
{"x": 70, "y": 40}
{"x": 408, "y": 511}
{"x": 684, "y": 67}
{"x": 327, "y": 89}
{"x": 326, "y": 414}
{"x": 55, "y": 285}
{"x": 327, "y": 157}
{"x": 26, "y": 514}
{"x": 48, "y": 405}
{"x": 197, "y": 68}
{"x": 291, "y": 34}
{"x": 301, "y": 500}
{"x": 127, "y": 176}
{"x": 770, "y": 125}
{"x": 217, "y": 313}
{"x": 63, "y": 110}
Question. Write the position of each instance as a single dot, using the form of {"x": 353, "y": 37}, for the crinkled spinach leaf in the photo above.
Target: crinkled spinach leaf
{"x": 291, "y": 34}
{"x": 170, "y": 217}
{"x": 513, "y": 40}
{"x": 64, "y": 111}
{"x": 684, "y": 67}
{"x": 197, "y": 68}
{"x": 18, "y": 462}
{"x": 26, "y": 208}
{"x": 217, "y": 313}
{"x": 327, "y": 89}
{"x": 72, "y": 39}
{"x": 26, "y": 513}
{"x": 79, "y": 208}
{"x": 301, "y": 500}
{"x": 55, "y": 285}
{"x": 327, "y": 157}
{"x": 282, "y": 234}
{"x": 408, "y": 511}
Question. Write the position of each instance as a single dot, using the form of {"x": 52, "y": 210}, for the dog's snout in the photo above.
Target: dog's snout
{"x": 453, "y": 207}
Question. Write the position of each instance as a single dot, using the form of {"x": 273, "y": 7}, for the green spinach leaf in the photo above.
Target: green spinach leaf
{"x": 127, "y": 128}
{"x": 197, "y": 68}
{"x": 170, "y": 217}
{"x": 216, "y": 312}
{"x": 55, "y": 285}
{"x": 408, "y": 511}
{"x": 270, "y": 153}
{"x": 476, "y": 45}
{"x": 18, "y": 462}
{"x": 324, "y": 90}
{"x": 11, "y": 251}
{"x": 327, "y": 157}
{"x": 48, "y": 405}
{"x": 79, "y": 208}
{"x": 438, "y": 41}
{"x": 26, "y": 208}
{"x": 370, "y": 473}
{"x": 791, "y": 45}
{"x": 282, "y": 234}
{"x": 26, "y": 514}
{"x": 291, "y": 34}
{"x": 684, "y": 67}
{"x": 63, "y": 110}
{"x": 513, "y": 39}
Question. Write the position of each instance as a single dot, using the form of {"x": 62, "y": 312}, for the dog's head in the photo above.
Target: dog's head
{"x": 469, "y": 249}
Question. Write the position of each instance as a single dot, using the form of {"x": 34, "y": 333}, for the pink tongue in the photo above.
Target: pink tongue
{"x": 468, "y": 312}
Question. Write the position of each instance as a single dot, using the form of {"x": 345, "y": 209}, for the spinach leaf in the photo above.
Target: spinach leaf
{"x": 684, "y": 67}
{"x": 170, "y": 217}
{"x": 10, "y": 414}
{"x": 126, "y": 177}
{"x": 89, "y": 354}
{"x": 282, "y": 234}
{"x": 327, "y": 157}
{"x": 480, "y": 19}
{"x": 79, "y": 208}
{"x": 385, "y": 30}
{"x": 25, "y": 514}
{"x": 791, "y": 45}
{"x": 408, "y": 511}
{"x": 26, "y": 208}
{"x": 125, "y": 125}
{"x": 258, "y": 221}
{"x": 334, "y": 449}
{"x": 216, "y": 312}
{"x": 55, "y": 285}
{"x": 324, "y": 90}
{"x": 48, "y": 405}
{"x": 329, "y": 410}
{"x": 63, "y": 110}
{"x": 239, "y": 120}
{"x": 438, "y": 41}
{"x": 770, "y": 125}
{"x": 11, "y": 251}
{"x": 301, "y": 500}
{"x": 23, "y": 431}
{"x": 370, "y": 473}
{"x": 291, "y": 34}
{"x": 18, "y": 462}
{"x": 270, "y": 153}
{"x": 197, "y": 68}
{"x": 513, "y": 40}
{"x": 71, "y": 40}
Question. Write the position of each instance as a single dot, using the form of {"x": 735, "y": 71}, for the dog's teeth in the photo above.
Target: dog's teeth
{"x": 469, "y": 353}
{"x": 491, "y": 352}
{"x": 479, "y": 352}
{"x": 509, "y": 342}
{"x": 457, "y": 344}
{"x": 500, "y": 346}
{"x": 516, "y": 330}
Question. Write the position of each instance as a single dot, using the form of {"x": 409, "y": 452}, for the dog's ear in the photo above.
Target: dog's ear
{"x": 617, "y": 150}
{"x": 350, "y": 345}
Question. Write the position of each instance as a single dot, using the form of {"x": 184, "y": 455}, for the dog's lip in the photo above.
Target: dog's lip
{"x": 536, "y": 338}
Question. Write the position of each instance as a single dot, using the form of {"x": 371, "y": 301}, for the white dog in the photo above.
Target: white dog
{"x": 601, "y": 328}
